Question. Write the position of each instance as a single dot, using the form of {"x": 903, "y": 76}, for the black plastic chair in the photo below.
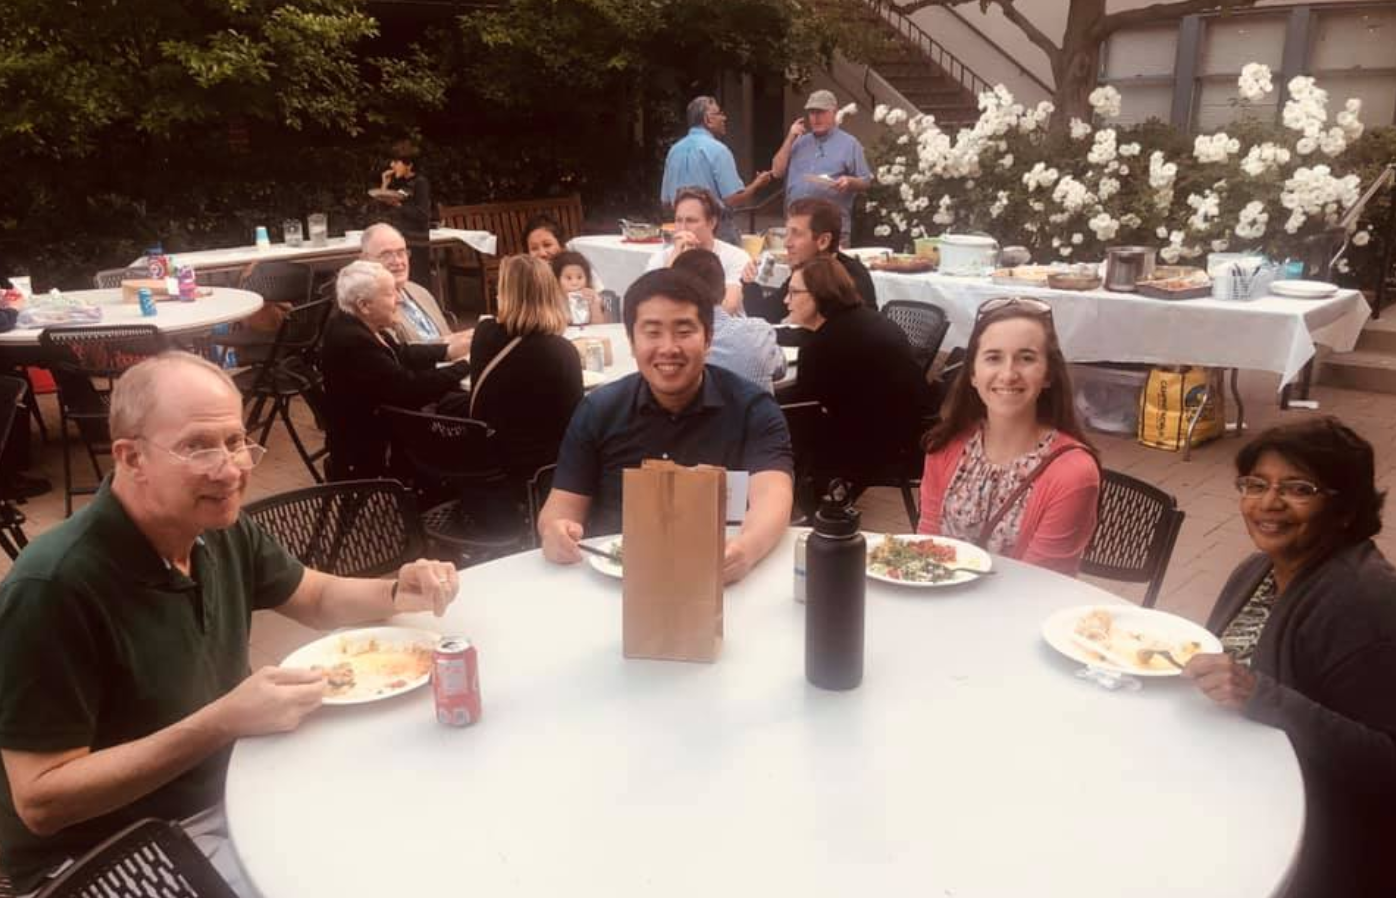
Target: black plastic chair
{"x": 925, "y": 326}
{"x": 12, "y": 538}
{"x": 77, "y": 356}
{"x": 539, "y": 485}
{"x": 806, "y": 421}
{"x": 1135, "y": 532}
{"x": 456, "y": 470}
{"x": 354, "y": 528}
{"x": 150, "y": 857}
{"x": 289, "y": 369}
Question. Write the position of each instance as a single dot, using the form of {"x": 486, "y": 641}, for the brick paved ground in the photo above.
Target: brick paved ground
{"x": 1213, "y": 539}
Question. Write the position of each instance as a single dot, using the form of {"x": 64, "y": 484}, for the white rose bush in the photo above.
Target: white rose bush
{"x": 1258, "y": 186}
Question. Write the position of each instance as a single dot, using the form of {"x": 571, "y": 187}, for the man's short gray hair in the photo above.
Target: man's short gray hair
{"x": 357, "y": 282}
{"x": 138, "y": 390}
{"x": 374, "y": 232}
{"x": 698, "y": 110}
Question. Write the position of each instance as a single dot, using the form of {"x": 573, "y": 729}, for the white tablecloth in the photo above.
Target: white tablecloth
{"x": 335, "y": 247}
{"x": 172, "y": 317}
{"x": 1268, "y": 334}
{"x": 970, "y": 763}
{"x": 618, "y": 263}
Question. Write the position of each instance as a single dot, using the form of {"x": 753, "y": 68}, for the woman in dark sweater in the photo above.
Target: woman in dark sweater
{"x": 1309, "y": 627}
{"x": 857, "y": 364}
{"x": 529, "y": 394}
{"x": 365, "y": 368}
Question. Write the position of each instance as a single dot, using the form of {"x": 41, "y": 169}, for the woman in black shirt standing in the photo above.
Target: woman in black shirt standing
{"x": 407, "y": 194}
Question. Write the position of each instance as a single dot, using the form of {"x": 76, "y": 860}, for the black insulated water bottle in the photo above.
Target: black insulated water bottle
{"x": 835, "y": 565}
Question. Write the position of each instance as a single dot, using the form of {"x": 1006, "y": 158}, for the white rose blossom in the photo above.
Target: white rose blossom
{"x": 1362, "y": 238}
{"x": 845, "y": 112}
{"x": 1080, "y": 129}
{"x": 879, "y": 112}
{"x": 1103, "y": 149}
{"x": 1105, "y": 101}
{"x": 1217, "y": 148}
{"x": 1255, "y": 82}
{"x": 1104, "y": 227}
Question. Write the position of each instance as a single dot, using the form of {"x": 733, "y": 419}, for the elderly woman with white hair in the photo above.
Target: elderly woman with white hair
{"x": 365, "y": 367}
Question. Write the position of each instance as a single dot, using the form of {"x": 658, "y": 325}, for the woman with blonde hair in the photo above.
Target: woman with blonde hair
{"x": 526, "y": 378}
{"x": 1008, "y": 467}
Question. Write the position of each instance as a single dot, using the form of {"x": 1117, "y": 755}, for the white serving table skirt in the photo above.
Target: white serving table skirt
{"x": 334, "y": 248}
{"x": 971, "y": 762}
{"x": 172, "y": 317}
{"x": 618, "y": 263}
{"x": 1268, "y": 334}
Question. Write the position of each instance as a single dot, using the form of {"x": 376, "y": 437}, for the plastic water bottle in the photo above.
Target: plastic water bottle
{"x": 188, "y": 285}
{"x": 835, "y": 578}
{"x": 147, "y": 301}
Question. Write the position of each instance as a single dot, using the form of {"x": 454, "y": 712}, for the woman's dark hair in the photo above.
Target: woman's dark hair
{"x": 562, "y": 260}
{"x": 545, "y": 223}
{"x": 405, "y": 151}
{"x": 829, "y": 285}
{"x": 679, "y": 286}
{"x": 964, "y": 409}
{"x": 1337, "y": 458}
{"x": 707, "y": 268}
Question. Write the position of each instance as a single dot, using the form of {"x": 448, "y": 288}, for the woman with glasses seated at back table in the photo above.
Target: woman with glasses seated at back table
{"x": 1008, "y": 467}
{"x": 1309, "y": 628}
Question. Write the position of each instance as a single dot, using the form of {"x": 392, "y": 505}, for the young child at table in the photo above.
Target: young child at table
{"x": 573, "y": 271}
{"x": 1008, "y": 467}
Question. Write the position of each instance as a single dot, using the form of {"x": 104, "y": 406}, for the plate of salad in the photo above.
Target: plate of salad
{"x": 910, "y": 559}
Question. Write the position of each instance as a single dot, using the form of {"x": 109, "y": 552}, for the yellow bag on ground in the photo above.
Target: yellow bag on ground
{"x": 1170, "y": 399}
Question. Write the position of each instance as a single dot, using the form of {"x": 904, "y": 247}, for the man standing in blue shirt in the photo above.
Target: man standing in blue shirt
{"x": 821, "y": 160}
{"x": 701, "y": 159}
{"x": 675, "y": 407}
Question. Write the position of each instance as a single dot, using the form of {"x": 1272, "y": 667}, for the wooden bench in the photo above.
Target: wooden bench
{"x": 506, "y": 221}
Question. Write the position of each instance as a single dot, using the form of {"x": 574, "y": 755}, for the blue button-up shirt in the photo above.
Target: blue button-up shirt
{"x": 746, "y": 346}
{"x": 731, "y": 422}
{"x": 700, "y": 160}
{"x": 836, "y": 154}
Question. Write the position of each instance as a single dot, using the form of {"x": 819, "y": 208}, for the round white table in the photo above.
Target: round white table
{"x": 172, "y": 317}
{"x": 970, "y": 763}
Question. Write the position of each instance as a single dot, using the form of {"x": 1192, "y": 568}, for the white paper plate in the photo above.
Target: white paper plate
{"x": 1303, "y": 289}
{"x": 368, "y": 687}
{"x": 1167, "y": 629}
{"x": 605, "y": 565}
{"x": 966, "y": 555}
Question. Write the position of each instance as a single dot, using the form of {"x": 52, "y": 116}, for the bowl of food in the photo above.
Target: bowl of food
{"x": 640, "y": 231}
{"x": 1084, "y": 278}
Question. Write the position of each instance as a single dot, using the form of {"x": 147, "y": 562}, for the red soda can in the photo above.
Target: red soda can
{"x": 455, "y": 681}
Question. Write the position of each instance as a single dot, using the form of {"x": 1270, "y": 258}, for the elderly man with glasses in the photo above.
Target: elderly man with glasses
{"x": 421, "y": 319}
{"x": 701, "y": 159}
{"x": 124, "y": 630}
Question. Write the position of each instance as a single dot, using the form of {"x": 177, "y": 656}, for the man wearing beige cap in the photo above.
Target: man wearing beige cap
{"x": 821, "y": 160}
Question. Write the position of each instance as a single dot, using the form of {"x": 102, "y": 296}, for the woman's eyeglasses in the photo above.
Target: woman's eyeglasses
{"x": 1296, "y": 491}
{"x": 1026, "y": 303}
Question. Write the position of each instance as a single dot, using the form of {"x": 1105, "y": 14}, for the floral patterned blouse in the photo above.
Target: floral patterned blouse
{"x": 1241, "y": 635}
{"x": 979, "y": 487}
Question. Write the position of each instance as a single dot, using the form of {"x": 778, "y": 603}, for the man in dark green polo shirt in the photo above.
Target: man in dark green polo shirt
{"x": 123, "y": 631}
{"x": 676, "y": 407}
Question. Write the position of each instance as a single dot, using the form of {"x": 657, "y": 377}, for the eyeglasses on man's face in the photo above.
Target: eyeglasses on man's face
{"x": 389, "y": 255}
{"x": 244, "y": 456}
{"x": 1293, "y": 490}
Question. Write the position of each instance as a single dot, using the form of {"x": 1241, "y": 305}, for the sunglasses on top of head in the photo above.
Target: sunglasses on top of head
{"x": 1025, "y": 303}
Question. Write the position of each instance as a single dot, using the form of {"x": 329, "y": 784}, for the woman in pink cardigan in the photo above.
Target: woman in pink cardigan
{"x": 1008, "y": 467}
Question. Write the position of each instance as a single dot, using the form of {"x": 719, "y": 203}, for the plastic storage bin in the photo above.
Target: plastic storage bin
{"x": 1107, "y": 395}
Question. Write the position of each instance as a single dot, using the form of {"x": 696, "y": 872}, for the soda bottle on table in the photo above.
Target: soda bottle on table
{"x": 157, "y": 264}
{"x": 147, "y": 301}
{"x": 188, "y": 285}
{"x": 835, "y": 577}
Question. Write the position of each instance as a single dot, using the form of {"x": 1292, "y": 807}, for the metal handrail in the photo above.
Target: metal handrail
{"x": 931, "y": 48}
{"x": 1022, "y": 70}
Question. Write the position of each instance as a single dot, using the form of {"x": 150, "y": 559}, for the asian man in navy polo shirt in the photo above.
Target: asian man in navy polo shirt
{"x": 675, "y": 407}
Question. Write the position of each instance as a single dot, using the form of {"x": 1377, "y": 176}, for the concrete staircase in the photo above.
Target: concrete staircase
{"x": 1371, "y": 366}
{"x": 902, "y": 62}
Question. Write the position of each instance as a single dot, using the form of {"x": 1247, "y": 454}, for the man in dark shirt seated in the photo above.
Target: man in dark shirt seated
{"x": 812, "y": 228}
{"x": 124, "y": 631}
{"x": 678, "y": 408}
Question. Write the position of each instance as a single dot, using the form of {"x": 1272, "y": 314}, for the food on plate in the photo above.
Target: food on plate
{"x": 1119, "y": 643}
{"x": 915, "y": 561}
{"x": 367, "y": 667}
{"x": 903, "y": 264}
{"x": 1177, "y": 277}
{"x": 1025, "y": 274}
